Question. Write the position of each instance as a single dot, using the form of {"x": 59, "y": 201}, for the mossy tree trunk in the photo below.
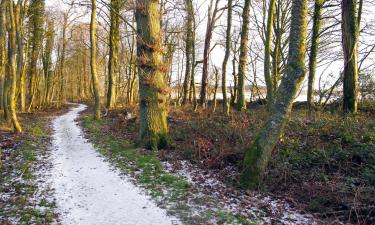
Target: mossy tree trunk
{"x": 94, "y": 72}
{"x": 226, "y": 57}
{"x": 259, "y": 153}
{"x": 153, "y": 88}
{"x": 267, "y": 54}
{"x": 350, "y": 33}
{"x": 241, "y": 101}
{"x": 12, "y": 66}
{"x": 317, "y": 23}
{"x": 114, "y": 45}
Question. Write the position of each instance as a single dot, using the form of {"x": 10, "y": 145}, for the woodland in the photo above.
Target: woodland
{"x": 221, "y": 111}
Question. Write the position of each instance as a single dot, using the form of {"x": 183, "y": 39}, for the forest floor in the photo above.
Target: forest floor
{"x": 322, "y": 171}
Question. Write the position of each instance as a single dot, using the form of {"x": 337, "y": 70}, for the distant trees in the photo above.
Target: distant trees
{"x": 153, "y": 88}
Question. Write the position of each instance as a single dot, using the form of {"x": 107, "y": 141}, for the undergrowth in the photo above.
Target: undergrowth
{"x": 169, "y": 191}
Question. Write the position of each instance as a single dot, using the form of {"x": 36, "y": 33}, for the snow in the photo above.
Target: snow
{"x": 88, "y": 190}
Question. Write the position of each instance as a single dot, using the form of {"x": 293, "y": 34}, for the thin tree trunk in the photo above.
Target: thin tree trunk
{"x": 226, "y": 58}
{"x": 258, "y": 155}
{"x": 241, "y": 103}
{"x": 189, "y": 43}
{"x": 317, "y": 21}
{"x": 267, "y": 54}
{"x": 114, "y": 44}
{"x": 94, "y": 73}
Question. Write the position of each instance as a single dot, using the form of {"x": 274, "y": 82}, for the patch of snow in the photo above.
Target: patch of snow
{"x": 88, "y": 190}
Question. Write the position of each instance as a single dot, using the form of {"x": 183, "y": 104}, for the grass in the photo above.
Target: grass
{"x": 18, "y": 179}
{"x": 169, "y": 191}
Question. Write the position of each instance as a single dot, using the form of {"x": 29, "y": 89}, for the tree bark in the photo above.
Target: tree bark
{"x": 153, "y": 88}
{"x": 114, "y": 45}
{"x": 12, "y": 67}
{"x": 267, "y": 54}
{"x": 258, "y": 155}
{"x": 350, "y": 33}
{"x": 189, "y": 48}
{"x": 241, "y": 102}
{"x": 226, "y": 58}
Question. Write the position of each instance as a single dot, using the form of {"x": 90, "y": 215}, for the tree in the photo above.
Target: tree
{"x": 226, "y": 57}
{"x": 267, "y": 54}
{"x": 47, "y": 58}
{"x": 257, "y": 156}
{"x": 3, "y": 93}
{"x": 211, "y": 21}
{"x": 317, "y": 22}
{"x": 12, "y": 66}
{"x": 153, "y": 89}
{"x": 241, "y": 102}
{"x": 189, "y": 48}
{"x": 36, "y": 11}
{"x": 350, "y": 33}
{"x": 114, "y": 44}
{"x": 94, "y": 72}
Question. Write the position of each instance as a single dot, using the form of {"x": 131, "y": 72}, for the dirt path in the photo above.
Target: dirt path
{"x": 88, "y": 190}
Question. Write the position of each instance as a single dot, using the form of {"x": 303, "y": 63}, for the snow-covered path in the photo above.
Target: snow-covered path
{"x": 88, "y": 190}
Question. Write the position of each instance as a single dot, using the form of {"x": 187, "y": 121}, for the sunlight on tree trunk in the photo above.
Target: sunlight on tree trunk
{"x": 12, "y": 67}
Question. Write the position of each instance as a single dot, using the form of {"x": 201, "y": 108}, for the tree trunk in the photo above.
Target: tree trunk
{"x": 241, "y": 102}
{"x": 350, "y": 33}
{"x": 267, "y": 54}
{"x": 317, "y": 21}
{"x": 47, "y": 58}
{"x": 2, "y": 54}
{"x": 94, "y": 73}
{"x": 153, "y": 89}
{"x": 257, "y": 156}
{"x": 114, "y": 44}
{"x": 12, "y": 67}
{"x": 226, "y": 58}
{"x": 37, "y": 22}
{"x": 189, "y": 43}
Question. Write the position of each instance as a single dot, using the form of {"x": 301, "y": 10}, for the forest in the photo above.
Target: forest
{"x": 187, "y": 112}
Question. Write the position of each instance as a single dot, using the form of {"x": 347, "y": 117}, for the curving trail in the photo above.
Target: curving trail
{"x": 88, "y": 190}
